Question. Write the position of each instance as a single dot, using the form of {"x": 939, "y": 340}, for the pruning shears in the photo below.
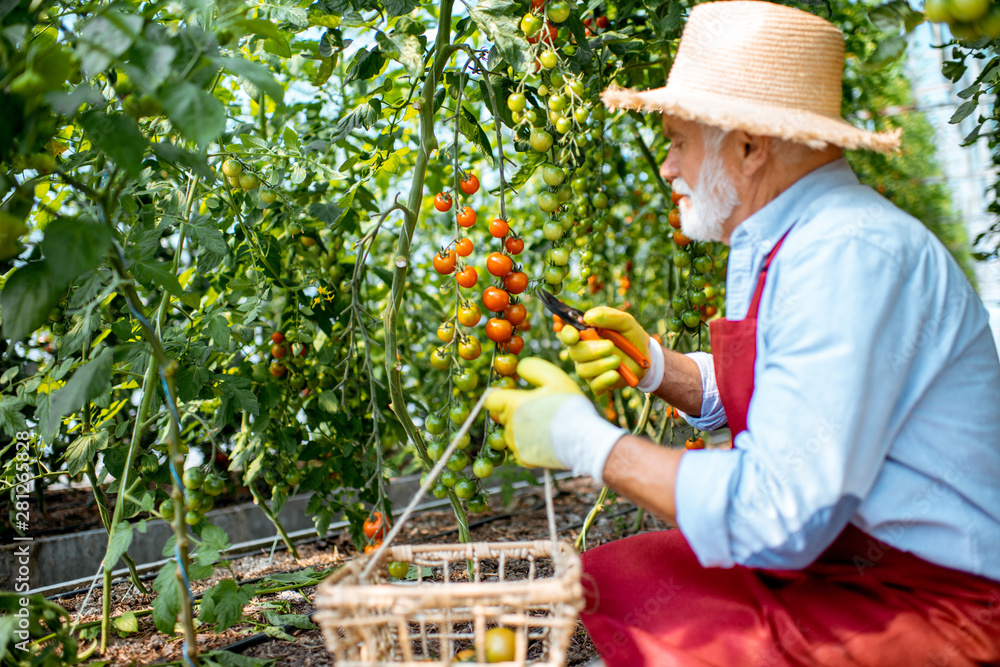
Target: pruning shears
{"x": 574, "y": 318}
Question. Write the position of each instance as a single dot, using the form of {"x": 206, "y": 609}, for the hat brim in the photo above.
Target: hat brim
{"x": 723, "y": 111}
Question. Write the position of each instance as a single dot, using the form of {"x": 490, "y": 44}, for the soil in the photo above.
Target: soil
{"x": 523, "y": 520}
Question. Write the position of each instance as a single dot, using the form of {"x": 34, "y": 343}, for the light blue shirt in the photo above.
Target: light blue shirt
{"x": 876, "y": 393}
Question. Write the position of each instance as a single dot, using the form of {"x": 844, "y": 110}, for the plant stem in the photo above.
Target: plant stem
{"x": 274, "y": 520}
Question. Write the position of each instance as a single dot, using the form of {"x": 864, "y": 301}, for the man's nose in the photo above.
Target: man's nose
{"x": 668, "y": 170}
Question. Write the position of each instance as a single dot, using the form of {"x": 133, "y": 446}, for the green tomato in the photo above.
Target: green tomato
{"x": 557, "y": 80}
{"x": 167, "y": 509}
{"x": 579, "y": 185}
{"x": 531, "y": 116}
{"x": 482, "y": 468}
{"x": 465, "y": 488}
{"x": 193, "y": 478}
{"x": 496, "y": 440}
{"x": 440, "y": 358}
{"x": 675, "y": 324}
{"x": 496, "y": 456}
{"x": 458, "y": 413}
{"x": 558, "y": 11}
{"x": 548, "y": 59}
{"x": 691, "y": 319}
{"x": 989, "y": 25}
{"x": 232, "y": 168}
{"x": 599, "y": 200}
{"x": 268, "y": 197}
{"x": 448, "y": 478}
{"x": 214, "y": 485}
{"x": 530, "y": 24}
{"x": 678, "y": 303}
{"x": 560, "y": 256}
{"x": 516, "y": 102}
{"x": 703, "y": 264}
{"x": 548, "y": 202}
{"x": 458, "y": 461}
{"x": 557, "y": 103}
{"x": 464, "y": 441}
{"x": 553, "y": 175}
{"x": 682, "y": 259}
{"x": 440, "y": 491}
{"x": 476, "y": 504}
{"x": 581, "y": 114}
{"x": 552, "y": 230}
{"x": 564, "y": 194}
{"x": 968, "y": 10}
{"x": 564, "y": 125}
{"x": 435, "y": 450}
{"x": 698, "y": 298}
{"x": 191, "y": 517}
{"x": 553, "y": 275}
{"x": 467, "y": 380}
{"x": 435, "y": 424}
{"x": 576, "y": 87}
{"x": 398, "y": 569}
{"x": 540, "y": 140}
{"x": 937, "y": 11}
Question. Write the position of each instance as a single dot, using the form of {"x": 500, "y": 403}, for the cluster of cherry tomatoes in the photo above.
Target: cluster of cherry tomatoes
{"x": 698, "y": 302}
{"x": 200, "y": 491}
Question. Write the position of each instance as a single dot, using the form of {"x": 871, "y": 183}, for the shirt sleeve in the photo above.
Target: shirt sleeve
{"x": 825, "y": 385}
{"x": 713, "y": 416}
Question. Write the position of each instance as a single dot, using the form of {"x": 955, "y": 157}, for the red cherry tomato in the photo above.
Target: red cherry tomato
{"x": 374, "y": 527}
{"x": 463, "y": 247}
{"x": 278, "y": 351}
{"x": 499, "y": 264}
{"x": 442, "y": 201}
{"x": 466, "y": 217}
{"x": 444, "y": 263}
{"x": 505, "y": 364}
{"x": 515, "y": 345}
{"x": 498, "y": 330}
{"x": 515, "y": 313}
{"x": 514, "y": 246}
{"x": 469, "y": 185}
{"x": 277, "y": 337}
{"x": 469, "y": 314}
{"x": 495, "y": 299}
{"x": 499, "y": 228}
{"x": 467, "y": 277}
{"x": 515, "y": 282}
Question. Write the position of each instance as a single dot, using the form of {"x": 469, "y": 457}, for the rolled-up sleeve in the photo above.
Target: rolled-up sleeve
{"x": 817, "y": 435}
{"x": 713, "y": 415}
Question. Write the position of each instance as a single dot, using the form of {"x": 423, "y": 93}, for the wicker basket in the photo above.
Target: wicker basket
{"x": 532, "y": 588}
{"x": 517, "y": 585}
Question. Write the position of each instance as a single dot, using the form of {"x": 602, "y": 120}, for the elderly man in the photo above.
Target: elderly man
{"x": 856, "y": 520}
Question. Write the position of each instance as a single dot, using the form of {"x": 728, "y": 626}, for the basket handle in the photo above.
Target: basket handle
{"x": 432, "y": 478}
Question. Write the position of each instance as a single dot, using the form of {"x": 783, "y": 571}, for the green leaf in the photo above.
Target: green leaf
{"x": 963, "y": 111}
{"x": 167, "y": 604}
{"x": 127, "y": 623}
{"x": 171, "y": 153}
{"x": 73, "y": 246}
{"x": 218, "y": 329}
{"x": 256, "y": 73}
{"x": 156, "y": 275}
{"x": 229, "y": 659}
{"x": 324, "y": 72}
{"x": 104, "y": 38}
{"x": 366, "y": 65}
{"x": 328, "y": 401}
{"x": 498, "y": 20}
{"x": 278, "y": 633}
{"x": 214, "y": 542}
{"x": 28, "y": 298}
{"x": 223, "y": 604}
{"x": 279, "y": 48}
{"x": 118, "y": 544}
{"x": 888, "y": 51}
{"x": 406, "y": 49}
{"x": 68, "y": 103}
{"x": 290, "y": 138}
{"x": 81, "y": 451}
{"x": 196, "y": 113}
{"x": 394, "y": 8}
{"x": 301, "y": 621}
{"x": 118, "y": 136}
{"x": 328, "y": 214}
{"x": 11, "y": 418}
{"x": 262, "y": 28}
{"x": 470, "y": 128}
{"x": 531, "y": 162}
{"x": 88, "y": 382}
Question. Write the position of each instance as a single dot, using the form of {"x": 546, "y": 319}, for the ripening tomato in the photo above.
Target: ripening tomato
{"x": 277, "y": 337}
{"x": 467, "y": 277}
{"x": 470, "y": 184}
{"x": 469, "y": 314}
{"x": 446, "y": 332}
{"x": 466, "y": 217}
{"x": 515, "y": 313}
{"x": 694, "y": 443}
{"x": 495, "y": 299}
{"x": 278, "y": 351}
{"x": 674, "y": 218}
{"x": 675, "y": 197}
{"x": 499, "y": 264}
{"x": 466, "y": 380}
{"x": 514, "y": 246}
{"x": 603, "y": 22}
{"x": 463, "y": 247}
{"x": 469, "y": 348}
{"x": 505, "y": 364}
{"x": 442, "y": 201}
{"x": 498, "y": 330}
{"x": 515, "y": 282}
{"x": 444, "y": 263}
{"x": 374, "y": 527}
{"x": 680, "y": 239}
{"x": 372, "y": 548}
{"x": 440, "y": 359}
{"x": 499, "y": 228}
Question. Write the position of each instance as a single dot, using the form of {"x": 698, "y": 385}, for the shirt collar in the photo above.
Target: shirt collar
{"x": 765, "y": 228}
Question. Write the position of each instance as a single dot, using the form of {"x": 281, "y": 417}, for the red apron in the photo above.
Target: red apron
{"x": 649, "y": 603}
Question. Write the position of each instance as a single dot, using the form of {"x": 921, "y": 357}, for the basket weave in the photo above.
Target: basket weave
{"x": 518, "y": 585}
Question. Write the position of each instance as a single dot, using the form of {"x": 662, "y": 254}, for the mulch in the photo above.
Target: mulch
{"x": 524, "y": 519}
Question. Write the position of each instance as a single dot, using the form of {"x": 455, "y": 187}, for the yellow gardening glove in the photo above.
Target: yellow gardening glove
{"x": 554, "y": 425}
{"x": 596, "y": 360}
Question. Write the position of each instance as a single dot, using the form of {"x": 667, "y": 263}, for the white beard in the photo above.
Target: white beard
{"x": 705, "y": 209}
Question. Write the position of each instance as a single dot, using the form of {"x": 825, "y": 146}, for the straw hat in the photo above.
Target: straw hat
{"x": 762, "y": 68}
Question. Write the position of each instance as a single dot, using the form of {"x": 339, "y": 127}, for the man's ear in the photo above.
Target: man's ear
{"x": 752, "y": 152}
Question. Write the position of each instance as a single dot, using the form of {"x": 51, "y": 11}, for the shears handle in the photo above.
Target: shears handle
{"x": 623, "y": 370}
